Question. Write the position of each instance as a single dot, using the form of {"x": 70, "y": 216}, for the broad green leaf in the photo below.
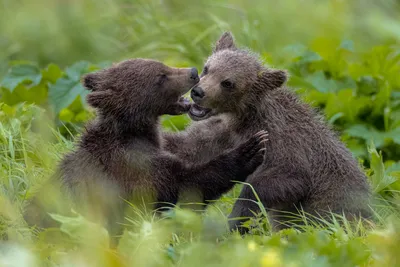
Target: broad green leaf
{"x": 21, "y": 73}
{"x": 8, "y": 110}
{"x": 368, "y": 134}
{"x": 64, "y": 92}
{"x": 78, "y": 104}
{"x": 52, "y": 73}
{"x": 69, "y": 88}
{"x": 66, "y": 115}
{"x": 357, "y": 70}
{"x": 357, "y": 147}
{"x": 320, "y": 82}
{"x": 82, "y": 116}
{"x": 309, "y": 57}
{"x": 347, "y": 103}
{"x": 299, "y": 82}
{"x": 36, "y": 94}
{"x": 75, "y": 71}
{"x": 316, "y": 98}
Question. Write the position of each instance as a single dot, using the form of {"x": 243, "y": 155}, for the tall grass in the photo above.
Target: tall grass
{"x": 299, "y": 35}
{"x": 30, "y": 152}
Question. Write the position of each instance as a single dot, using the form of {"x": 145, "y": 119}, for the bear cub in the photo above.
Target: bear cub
{"x": 306, "y": 168}
{"x": 120, "y": 154}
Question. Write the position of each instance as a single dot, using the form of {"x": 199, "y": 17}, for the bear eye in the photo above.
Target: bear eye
{"x": 161, "y": 79}
{"x": 205, "y": 71}
{"x": 227, "y": 84}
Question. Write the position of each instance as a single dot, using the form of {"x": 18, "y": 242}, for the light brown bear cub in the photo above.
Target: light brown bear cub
{"x": 121, "y": 148}
{"x": 306, "y": 166}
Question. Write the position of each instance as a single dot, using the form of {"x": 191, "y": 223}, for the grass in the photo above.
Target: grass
{"x": 29, "y": 153}
{"x": 343, "y": 57}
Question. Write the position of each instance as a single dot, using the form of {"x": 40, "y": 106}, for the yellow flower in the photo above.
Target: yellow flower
{"x": 251, "y": 246}
{"x": 271, "y": 258}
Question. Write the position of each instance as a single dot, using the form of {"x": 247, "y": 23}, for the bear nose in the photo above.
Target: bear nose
{"x": 194, "y": 74}
{"x": 197, "y": 93}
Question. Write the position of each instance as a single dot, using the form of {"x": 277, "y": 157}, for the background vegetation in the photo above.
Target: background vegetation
{"x": 343, "y": 57}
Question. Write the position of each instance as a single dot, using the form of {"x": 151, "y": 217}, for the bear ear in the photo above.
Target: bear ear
{"x": 272, "y": 78}
{"x": 90, "y": 81}
{"x": 99, "y": 99}
{"x": 225, "y": 42}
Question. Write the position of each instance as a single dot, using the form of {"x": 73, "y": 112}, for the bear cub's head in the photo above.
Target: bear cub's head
{"x": 232, "y": 79}
{"x": 138, "y": 86}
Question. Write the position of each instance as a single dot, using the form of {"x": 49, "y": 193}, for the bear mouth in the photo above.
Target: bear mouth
{"x": 198, "y": 113}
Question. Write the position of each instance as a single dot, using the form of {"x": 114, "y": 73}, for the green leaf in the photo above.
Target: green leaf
{"x": 52, "y": 73}
{"x": 368, "y": 134}
{"x": 316, "y": 98}
{"x": 21, "y": 73}
{"x": 299, "y": 82}
{"x": 36, "y": 94}
{"x": 8, "y": 110}
{"x": 66, "y": 115}
{"x": 67, "y": 89}
{"x": 380, "y": 181}
{"x": 347, "y": 103}
{"x": 309, "y": 57}
{"x": 320, "y": 82}
{"x": 64, "y": 92}
{"x": 75, "y": 71}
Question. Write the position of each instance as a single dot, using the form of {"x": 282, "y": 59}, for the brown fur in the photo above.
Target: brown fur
{"x": 306, "y": 166}
{"x": 121, "y": 148}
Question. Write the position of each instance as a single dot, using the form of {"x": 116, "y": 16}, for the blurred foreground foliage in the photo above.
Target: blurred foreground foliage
{"x": 343, "y": 58}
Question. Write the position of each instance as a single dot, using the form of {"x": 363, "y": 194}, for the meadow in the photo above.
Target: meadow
{"x": 343, "y": 58}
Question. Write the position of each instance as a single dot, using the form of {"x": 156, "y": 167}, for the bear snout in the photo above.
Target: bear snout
{"x": 194, "y": 75}
{"x": 197, "y": 93}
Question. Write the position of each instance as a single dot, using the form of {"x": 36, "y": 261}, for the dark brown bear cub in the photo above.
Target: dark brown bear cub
{"x": 306, "y": 166}
{"x": 121, "y": 149}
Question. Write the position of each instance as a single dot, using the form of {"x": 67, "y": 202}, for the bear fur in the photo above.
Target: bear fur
{"x": 119, "y": 154}
{"x": 306, "y": 168}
